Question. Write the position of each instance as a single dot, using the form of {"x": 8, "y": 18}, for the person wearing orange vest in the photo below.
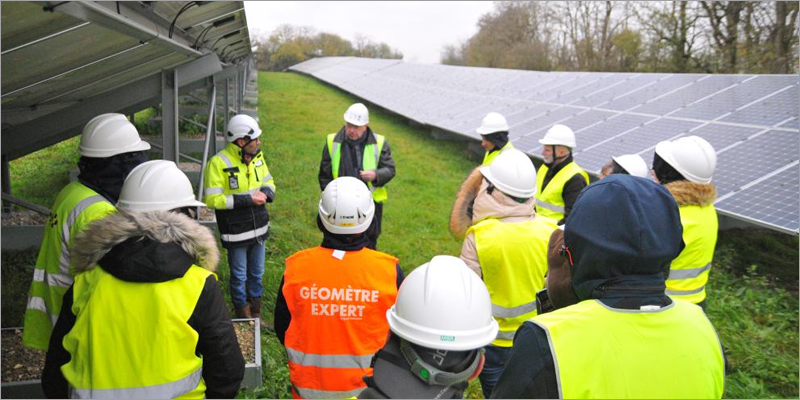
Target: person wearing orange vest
{"x": 506, "y": 246}
{"x": 359, "y": 152}
{"x": 615, "y": 333}
{"x": 330, "y": 313}
{"x": 560, "y": 179}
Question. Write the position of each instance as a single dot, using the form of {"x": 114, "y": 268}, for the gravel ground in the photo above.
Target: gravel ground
{"x": 19, "y": 218}
{"x": 246, "y": 334}
{"x": 19, "y": 363}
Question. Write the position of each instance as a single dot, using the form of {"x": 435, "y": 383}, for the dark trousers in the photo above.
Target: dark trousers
{"x": 374, "y": 229}
{"x": 493, "y": 367}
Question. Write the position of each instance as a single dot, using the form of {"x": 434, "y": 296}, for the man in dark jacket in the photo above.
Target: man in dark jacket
{"x": 623, "y": 337}
{"x": 145, "y": 317}
{"x": 359, "y": 152}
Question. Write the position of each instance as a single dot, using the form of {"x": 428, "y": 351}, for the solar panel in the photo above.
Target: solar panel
{"x": 751, "y": 120}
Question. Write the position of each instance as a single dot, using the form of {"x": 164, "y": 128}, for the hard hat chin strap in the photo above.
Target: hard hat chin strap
{"x": 432, "y": 375}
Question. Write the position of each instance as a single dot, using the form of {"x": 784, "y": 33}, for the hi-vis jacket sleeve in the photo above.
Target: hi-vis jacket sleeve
{"x": 215, "y": 185}
{"x": 268, "y": 185}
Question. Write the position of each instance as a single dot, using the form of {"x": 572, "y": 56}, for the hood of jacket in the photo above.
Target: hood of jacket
{"x": 145, "y": 246}
{"x": 688, "y": 193}
{"x": 474, "y": 203}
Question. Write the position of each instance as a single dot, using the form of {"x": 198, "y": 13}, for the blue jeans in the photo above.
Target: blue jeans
{"x": 493, "y": 367}
{"x": 247, "y": 271}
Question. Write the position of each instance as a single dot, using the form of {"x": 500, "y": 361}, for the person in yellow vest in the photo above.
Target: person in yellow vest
{"x": 630, "y": 164}
{"x": 494, "y": 136}
{"x": 330, "y": 313}
{"x": 441, "y": 321}
{"x": 560, "y": 179}
{"x": 685, "y": 167}
{"x": 359, "y": 152}
{"x": 237, "y": 186}
{"x": 507, "y": 246}
{"x": 145, "y": 317}
{"x": 624, "y": 338}
{"x": 110, "y": 148}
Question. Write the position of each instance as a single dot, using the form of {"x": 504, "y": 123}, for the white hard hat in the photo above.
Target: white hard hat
{"x": 242, "y": 126}
{"x": 443, "y": 305}
{"x": 357, "y": 114}
{"x": 513, "y": 173}
{"x": 493, "y": 122}
{"x": 692, "y": 156}
{"x": 156, "y": 185}
{"x": 559, "y": 135}
{"x": 346, "y": 206}
{"x": 634, "y": 164}
{"x": 107, "y": 135}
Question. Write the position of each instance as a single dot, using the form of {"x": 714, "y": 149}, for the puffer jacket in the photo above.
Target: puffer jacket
{"x": 474, "y": 204}
{"x": 151, "y": 248}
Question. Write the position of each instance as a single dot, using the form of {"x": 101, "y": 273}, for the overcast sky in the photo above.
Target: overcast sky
{"x": 418, "y": 29}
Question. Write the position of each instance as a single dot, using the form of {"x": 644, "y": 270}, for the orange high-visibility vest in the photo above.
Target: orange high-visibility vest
{"x": 338, "y": 302}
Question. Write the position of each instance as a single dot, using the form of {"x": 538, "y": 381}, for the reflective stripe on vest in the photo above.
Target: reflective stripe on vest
{"x": 329, "y": 360}
{"x": 513, "y": 259}
{"x": 144, "y": 348}
{"x": 74, "y": 208}
{"x": 689, "y": 271}
{"x": 327, "y": 394}
{"x": 652, "y": 349}
{"x": 379, "y": 194}
{"x": 169, "y": 390}
{"x": 550, "y": 200}
{"x": 338, "y": 309}
{"x": 238, "y": 237}
{"x": 490, "y": 156}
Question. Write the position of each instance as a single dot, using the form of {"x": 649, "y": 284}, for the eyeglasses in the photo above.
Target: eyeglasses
{"x": 566, "y": 254}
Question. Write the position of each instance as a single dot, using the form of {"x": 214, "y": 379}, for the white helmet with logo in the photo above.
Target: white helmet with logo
{"x": 346, "y": 206}
{"x": 357, "y": 114}
{"x": 513, "y": 173}
{"x": 493, "y": 122}
{"x": 634, "y": 164}
{"x": 157, "y": 185}
{"x": 559, "y": 135}
{"x": 692, "y": 156}
{"x": 107, "y": 135}
{"x": 443, "y": 305}
{"x": 242, "y": 126}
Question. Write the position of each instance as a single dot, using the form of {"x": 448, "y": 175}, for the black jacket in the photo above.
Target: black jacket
{"x": 282, "y": 316}
{"x": 571, "y": 189}
{"x": 385, "y": 171}
{"x": 152, "y": 248}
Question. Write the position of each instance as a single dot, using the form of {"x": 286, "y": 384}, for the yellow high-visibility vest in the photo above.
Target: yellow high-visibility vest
{"x": 491, "y": 155}
{"x": 549, "y": 201}
{"x": 372, "y": 154}
{"x": 513, "y": 258}
{"x": 688, "y": 273}
{"x": 605, "y": 353}
{"x": 133, "y": 339}
{"x": 75, "y": 207}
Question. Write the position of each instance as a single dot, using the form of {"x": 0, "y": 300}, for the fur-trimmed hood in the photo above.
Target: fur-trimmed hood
{"x": 688, "y": 193}
{"x": 474, "y": 204}
{"x": 145, "y": 247}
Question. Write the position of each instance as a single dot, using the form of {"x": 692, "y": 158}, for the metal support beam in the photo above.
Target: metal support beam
{"x": 227, "y": 106}
{"x": 211, "y": 136}
{"x": 6, "y": 176}
{"x": 135, "y": 96}
{"x": 169, "y": 115}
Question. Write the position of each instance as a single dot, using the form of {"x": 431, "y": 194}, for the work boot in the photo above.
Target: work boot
{"x": 255, "y": 307}
{"x": 243, "y": 312}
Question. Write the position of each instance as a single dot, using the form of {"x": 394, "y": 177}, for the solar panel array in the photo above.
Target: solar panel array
{"x": 751, "y": 120}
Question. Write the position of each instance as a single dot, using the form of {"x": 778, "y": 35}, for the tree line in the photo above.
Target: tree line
{"x": 288, "y": 45}
{"x": 663, "y": 36}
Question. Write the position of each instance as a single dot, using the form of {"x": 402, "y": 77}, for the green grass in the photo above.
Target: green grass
{"x": 755, "y": 316}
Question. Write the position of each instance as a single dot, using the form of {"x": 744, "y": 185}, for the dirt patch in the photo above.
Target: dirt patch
{"x": 23, "y": 218}
{"x": 19, "y": 363}
{"x": 246, "y": 335}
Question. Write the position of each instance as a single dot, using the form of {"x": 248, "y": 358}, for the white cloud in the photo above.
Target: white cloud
{"x": 418, "y": 29}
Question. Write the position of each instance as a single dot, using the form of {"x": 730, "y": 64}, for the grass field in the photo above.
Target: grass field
{"x": 756, "y": 317}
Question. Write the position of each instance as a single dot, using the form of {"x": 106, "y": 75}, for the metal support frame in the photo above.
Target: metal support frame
{"x": 6, "y": 176}
{"x": 211, "y": 136}
{"x": 135, "y": 96}
{"x": 227, "y": 103}
{"x": 169, "y": 115}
